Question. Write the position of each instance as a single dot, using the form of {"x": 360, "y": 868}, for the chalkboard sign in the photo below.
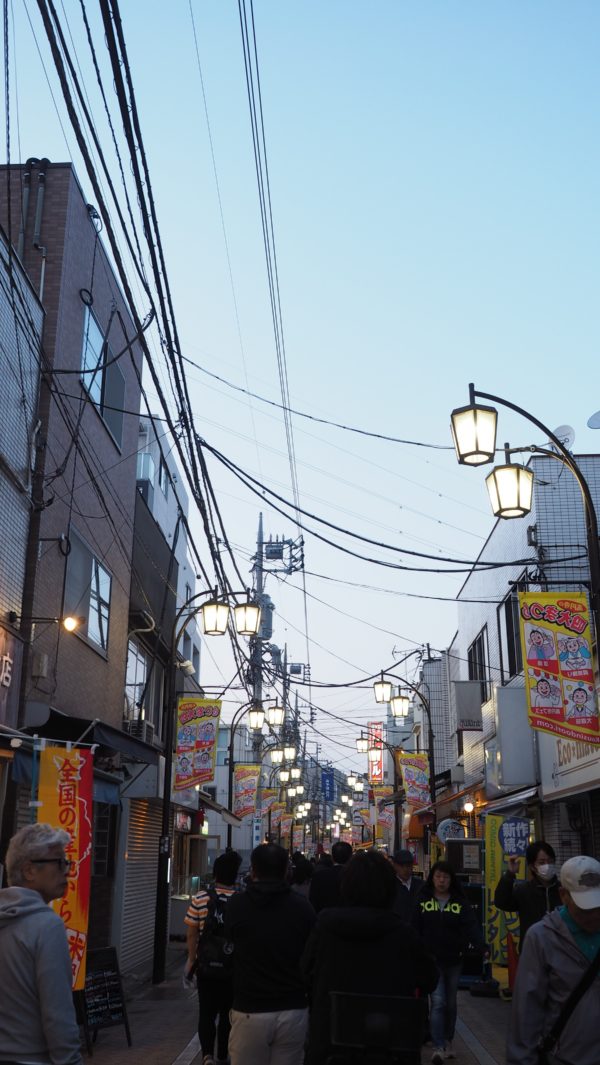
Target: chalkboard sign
{"x": 101, "y": 1004}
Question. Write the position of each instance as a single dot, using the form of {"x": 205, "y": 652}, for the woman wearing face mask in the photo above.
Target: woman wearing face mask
{"x": 537, "y": 895}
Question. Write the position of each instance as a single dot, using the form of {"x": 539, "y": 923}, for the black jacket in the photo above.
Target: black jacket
{"x": 359, "y": 949}
{"x": 268, "y": 925}
{"x": 531, "y": 899}
{"x": 325, "y": 887}
{"x": 446, "y": 932}
{"x": 406, "y": 898}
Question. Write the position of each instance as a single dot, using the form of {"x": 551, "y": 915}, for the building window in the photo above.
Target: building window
{"x": 510, "y": 637}
{"x": 144, "y": 684}
{"x": 163, "y": 478}
{"x": 102, "y": 377}
{"x": 87, "y": 592}
{"x": 477, "y": 659}
{"x": 103, "y": 841}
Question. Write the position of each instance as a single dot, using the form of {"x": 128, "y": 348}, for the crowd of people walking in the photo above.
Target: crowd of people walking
{"x": 351, "y": 959}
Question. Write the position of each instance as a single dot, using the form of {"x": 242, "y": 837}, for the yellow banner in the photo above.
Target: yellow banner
{"x": 267, "y": 800}
{"x": 559, "y": 673}
{"x": 65, "y": 794}
{"x": 245, "y": 785}
{"x": 197, "y": 731}
{"x": 502, "y": 836}
{"x": 385, "y": 814}
{"x": 414, "y": 772}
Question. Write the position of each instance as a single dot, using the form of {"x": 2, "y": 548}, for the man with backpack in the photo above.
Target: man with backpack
{"x": 209, "y": 957}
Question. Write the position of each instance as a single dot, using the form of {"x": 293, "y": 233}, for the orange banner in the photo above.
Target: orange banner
{"x": 197, "y": 730}
{"x": 65, "y": 794}
{"x": 556, "y": 642}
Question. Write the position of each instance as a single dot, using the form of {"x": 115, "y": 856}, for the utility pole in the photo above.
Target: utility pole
{"x": 256, "y": 641}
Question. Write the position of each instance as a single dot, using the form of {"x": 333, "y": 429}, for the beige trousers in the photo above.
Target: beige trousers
{"x": 268, "y": 1038}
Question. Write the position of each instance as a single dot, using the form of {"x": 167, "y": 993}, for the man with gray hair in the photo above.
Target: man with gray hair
{"x": 37, "y": 1016}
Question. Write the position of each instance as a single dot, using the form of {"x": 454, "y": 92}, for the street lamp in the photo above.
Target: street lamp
{"x": 510, "y": 488}
{"x": 291, "y": 792}
{"x": 284, "y": 776}
{"x": 296, "y": 772}
{"x": 256, "y": 718}
{"x": 466, "y": 421}
{"x": 275, "y": 715}
{"x": 362, "y": 744}
{"x": 430, "y": 735}
{"x": 382, "y": 689}
{"x": 247, "y": 618}
{"x": 289, "y": 753}
{"x": 300, "y": 789}
{"x": 351, "y": 782}
{"x": 399, "y": 704}
{"x": 277, "y": 755}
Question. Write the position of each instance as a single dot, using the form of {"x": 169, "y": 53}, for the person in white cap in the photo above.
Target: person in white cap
{"x": 558, "y": 952}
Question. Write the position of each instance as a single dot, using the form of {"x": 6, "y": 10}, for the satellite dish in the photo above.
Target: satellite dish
{"x": 566, "y": 435}
{"x": 594, "y": 421}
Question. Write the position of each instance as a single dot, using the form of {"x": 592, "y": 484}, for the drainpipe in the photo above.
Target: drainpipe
{"x": 25, "y": 205}
{"x": 39, "y": 211}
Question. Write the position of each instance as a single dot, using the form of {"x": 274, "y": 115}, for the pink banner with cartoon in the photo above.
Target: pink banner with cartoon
{"x": 385, "y": 814}
{"x": 277, "y": 812}
{"x": 245, "y": 786}
{"x": 559, "y": 674}
{"x": 414, "y": 772}
{"x": 197, "y": 730}
{"x": 298, "y": 838}
{"x": 268, "y": 800}
{"x": 286, "y": 826}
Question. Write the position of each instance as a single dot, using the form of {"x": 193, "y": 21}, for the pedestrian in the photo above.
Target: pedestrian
{"x": 206, "y": 945}
{"x": 534, "y": 897}
{"x": 301, "y": 874}
{"x": 268, "y": 927}
{"x": 408, "y": 887}
{"x": 37, "y": 1016}
{"x": 560, "y": 951}
{"x": 447, "y": 925}
{"x": 361, "y": 946}
{"x": 326, "y": 882}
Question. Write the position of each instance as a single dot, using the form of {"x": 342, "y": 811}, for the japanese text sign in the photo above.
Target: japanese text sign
{"x": 559, "y": 676}
{"x": 375, "y": 734}
{"x": 197, "y": 731}
{"x": 65, "y": 794}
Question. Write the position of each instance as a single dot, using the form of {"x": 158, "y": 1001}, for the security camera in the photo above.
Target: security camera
{"x": 186, "y": 667}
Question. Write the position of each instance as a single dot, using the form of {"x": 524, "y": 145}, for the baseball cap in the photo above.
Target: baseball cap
{"x": 581, "y": 878}
{"x": 405, "y": 857}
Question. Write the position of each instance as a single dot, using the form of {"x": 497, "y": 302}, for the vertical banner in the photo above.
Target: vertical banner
{"x": 197, "y": 731}
{"x": 375, "y": 735}
{"x": 357, "y": 834}
{"x": 286, "y": 827}
{"x": 509, "y": 836}
{"x": 327, "y": 785}
{"x": 414, "y": 772}
{"x": 277, "y": 811}
{"x": 245, "y": 786}
{"x": 559, "y": 674}
{"x": 267, "y": 801}
{"x": 65, "y": 793}
{"x": 385, "y": 814}
{"x": 298, "y": 838}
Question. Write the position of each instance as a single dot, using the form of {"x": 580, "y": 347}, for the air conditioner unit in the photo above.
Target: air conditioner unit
{"x": 141, "y": 729}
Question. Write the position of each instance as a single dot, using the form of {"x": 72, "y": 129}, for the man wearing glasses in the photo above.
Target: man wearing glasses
{"x": 37, "y": 1017}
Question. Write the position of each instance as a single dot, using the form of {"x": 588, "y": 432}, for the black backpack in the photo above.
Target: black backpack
{"x": 214, "y": 955}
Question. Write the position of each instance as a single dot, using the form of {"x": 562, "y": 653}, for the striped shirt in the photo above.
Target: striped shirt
{"x": 198, "y": 908}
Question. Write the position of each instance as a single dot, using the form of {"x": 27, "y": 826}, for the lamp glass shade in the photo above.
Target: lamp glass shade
{"x": 70, "y": 623}
{"x": 383, "y": 690}
{"x": 344, "y": 798}
{"x": 291, "y": 792}
{"x": 284, "y": 776}
{"x": 351, "y": 781}
{"x": 374, "y": 754}
{"x": 474, "y": 434}
{"x": 307, "y": 805}
{"x": 468, "y": 806}
{"x": 362, "y": 745}
{"x": 215, "y": 616}
{"x": 300, "y": 789}
{"x": 359, "y": 787}
{"x": 275, "y": 715}
{"x": 247, "y": 618}
{"x": 277, "y": 755}
{"x": 510, "y": 489}
{"x": 256, "y": 718}
{"x": 289, "y": 753}
{"x": 338, "y": 812}
{"x": 399, "y": 704}
{"x": 296, "y": 772}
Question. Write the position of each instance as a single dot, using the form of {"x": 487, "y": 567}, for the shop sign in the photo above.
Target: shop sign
{"x": 375, "y": 735}
{"x": 11, "y": 653}
{"x": 450, "y": 829}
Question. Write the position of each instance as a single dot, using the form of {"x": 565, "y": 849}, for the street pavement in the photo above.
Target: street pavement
{"x": 163, "y": 1022}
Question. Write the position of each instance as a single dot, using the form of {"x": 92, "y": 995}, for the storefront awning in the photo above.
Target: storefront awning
{"x": 507, "y": 802}
{"x": 64, "y": 727}
{"x": 212, "y": 804}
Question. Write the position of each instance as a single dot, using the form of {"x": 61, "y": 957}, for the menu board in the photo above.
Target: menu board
{"x": 102, "y": 1004}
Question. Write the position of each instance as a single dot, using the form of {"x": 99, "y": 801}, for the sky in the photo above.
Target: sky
{"x": 433, "y": 172}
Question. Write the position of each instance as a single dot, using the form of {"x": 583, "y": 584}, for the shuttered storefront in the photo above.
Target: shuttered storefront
{"x": 139, "y": 895}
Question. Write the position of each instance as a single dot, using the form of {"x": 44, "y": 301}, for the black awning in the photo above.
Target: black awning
{"x": 64, "y": 727}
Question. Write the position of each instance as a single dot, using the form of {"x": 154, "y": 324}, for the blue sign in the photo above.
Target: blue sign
{"x": 327, "y": 785}
{"x": 514, "y": 836}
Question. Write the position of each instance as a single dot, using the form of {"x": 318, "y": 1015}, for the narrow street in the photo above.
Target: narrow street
{"x": 163, "y": 1027}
